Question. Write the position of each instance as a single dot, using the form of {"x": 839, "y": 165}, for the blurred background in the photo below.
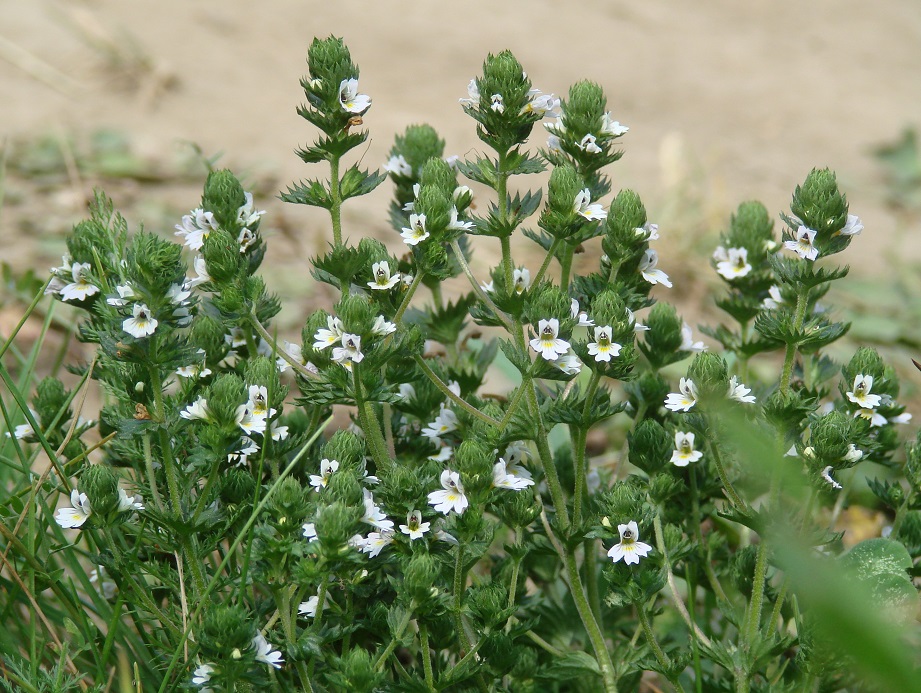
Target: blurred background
{"x": 725, "y": 101}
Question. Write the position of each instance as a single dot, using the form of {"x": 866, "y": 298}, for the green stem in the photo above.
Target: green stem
{"x": 546, "y": 459}
{"x": 505, "y": 241}
{"x": 591, "y": 580}
{"x": 579, "y": 438}
{"x": 602, "y": 656}
{"x": 404, "y": 304}
{"x": 466, "y": 406}
{"x": 657, "y": 650}
{"x": 394, "y": 641}
{"x": 335, "y": 196}
{"x": 426, "y": 656}
{"x": 730, "y": 490}
{"x": 369, "y": 423}
{"x": 565, "y": 266}
{"x": 551, "y": 253}
{"x": 283, "y": 602}
{"x": 696, "y": 519}
{"x": 459, "y": 579}
{"x": 800, "y": 316}
{"x": 477, "y": 289}
{"x": 513, "y": 405}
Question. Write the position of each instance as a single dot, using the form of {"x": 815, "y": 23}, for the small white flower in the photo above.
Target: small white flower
{"x": 871, "y": 415}
{"x": 496, "y": 103}
{"x": 201, "y": 273}
{"x": 853, "y": 454}
{"x": 473, "y": 94}
{"x": 398, "y": 165}
{"x": 21, "y": 431}
{"x": 68, "y": 518}
{"x": 327, "y": 337}
{"x": 246, "y": 214}
{"x": 861, "y": 393}
{"x": 373, "y": 514}
{"x": 141, "y": 324}
{"x": 80, "y": 288}
{"x": 248, "y": 421}
{"x": 587, "y": 144}
{"x": 510, "y": 476}
{"x": 350, "y": 350}
{"x": 259, "y": 401}
{"x": 416, "y": 232}
{"x": 582, "y": 317}
{"x": 265, "y": 653}
{"x": 649, "y": 231}
{"x": 128, "y": 503}
{"x": 444, "y": 453}
{"x": 739, "y": 392}
{"x": 583, "y": 207}
{"x": 637, "y": 325}
{"x": 553, "y": 144}
{"x": 612, "y": 127}
{"x": 517, "y": 451}
{"x": 569, "y": 363}
{"x": 453, "y": 161}
{"x": 853, "y": 227}
{"x": 278, "y": 432}
{"x": 648, "y": 269}
{"x": 309, "y": 608}
{"x": 445, "y": 422}
{"x": 350, "y": 99}
{"x": 684, "y": 451}
{"x": 124, "y": 294}
{"x": 685, "y": 398}
{"x": 488, "y": 287}
{"x": 415, "y": 527}
{"x": 376, "y": 542}
{"x": 383, "y": 280}
{"x": 556, "y": 127}
{"x": 774, "y": 299}
{"x": 687, "y": 340}
{"x": 548, "y": 344}
{"x": 735, "y": 265}
{"x": 457, "y": 223}
{"x": 197, "y": 410}
{"x": 327, "y": 467}
{"x": 196, "y": 226}
{"x": 521, "y": 277}
{"x": 902, "y": 418}
{"x": 603, "y": 348}
{"x": 450, "y": 496}
{"x": 802, "y": 245}
{"x": 545, "y": 105}
{"x": 246, "y": 239}
{"x": 826, "y": 474}
{"x": 202, "y": 674}
{"x": 310, "y": 530}
{"x": 629, "y": 548}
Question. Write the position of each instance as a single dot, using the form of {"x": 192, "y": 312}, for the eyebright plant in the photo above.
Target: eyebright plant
{"x": 221, "y": 534}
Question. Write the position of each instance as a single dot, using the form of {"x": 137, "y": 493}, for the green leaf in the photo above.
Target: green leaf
{"x": 311, "y": 192}
{"x": 355, "y": 182}
{"x": 570, "y": 665}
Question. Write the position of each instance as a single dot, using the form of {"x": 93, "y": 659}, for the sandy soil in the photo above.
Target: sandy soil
{"x": 726, "y": 101}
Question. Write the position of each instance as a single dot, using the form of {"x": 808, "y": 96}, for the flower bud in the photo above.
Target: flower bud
{"x": 288, "y": 507}
{"x": 474, "y": 461}
{"x": 226, "y": 393}
{"x": 236, "y": 486}
{"x": 517, "y": 509}
{"x": 343, "y": 486}
{"x": 223, "y": 196}
{"x": 417, "y": 145}
{"x": 625, "y": 215}
{"x": 664, "y": 335}
{"x": 356, "y": 313}
{"x": 865, "y": 361}
{"x": 155, "y": 264}
{"x": 437, "y": 174}
{"x": 100, "y": 484}
{"x": 225, "y": 629}
{"x": 831, "y": 438}
{"x": 488, "y": 603}
{"x": 418, "y": 577}
{"x": 336, "y": 523}
{"x": 50, "y": 397}
{"x": 435, "y": 203}
{"x": 710, "y": 375}
{"x": 356, "y": 672}
{"x": 650, "y": 446}
{"x": 346, "y": 447}
{"x": 222, "y": 256}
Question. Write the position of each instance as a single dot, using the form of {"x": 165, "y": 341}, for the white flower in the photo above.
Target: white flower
{"x": 202, "y": 674}
{"x": 648, "y": 269}
{"x": 587, "y": 144}
{"x": 649, "y": 231}
{"x": 556, "y": 127}
{"x": 687, "y": 340}
{"x": 69, "y": 518}
{"x": 583, "y": 208}
{"x": 902, "y": 418}
{"x": 569, "y": 363}
{"x": 853, "y": 227}
{"x": 246, "y": 239}
{"x": 445, "y": 422}
{"x": 612, "y": 127}
{"x": 685, "y": 398}
{"x": 450, "y": 496}
{"x": 197, "y": 410}
{"x": 350, "y": 99}
{"x": 456, "y": 223}
{"x": 248, "y": 421}
{"x": 124, "y": 293}
{"x": 383, "y": 280}
{"x": 521, "y": 277}
{"x": 373, "y": 514}
{"x": 853, "y": 455}
{"x": 141, "y": 324}
{"x": 584, "y": 320}
{"x": 407, "y": 391}
{"x": 637, "y": 325}
{"x": 517, "y": 451}
{"x": 309, "y": 608}
{"x": 453, "y": 161}
{"x": 327, "y": 467}
{"x": 128, "y": 503}
{"x": 739, "y": 392}
{"x": 802, "y": 245}
{"x": 735, "y": 265}
{"x": 684, "y": 451}
{"x": 416, "y": 232}
{"x": 774, "y": 299}
{"x": 514, "y": 477}
{"x": 350, "y": 350}
{"x": 488, "y": 287}
{"x": 195, "y": 228}
{"x": 398, "y": 166}
{"x": 376, "y": 542}
{"x": 473, "y": 94}
{"x": 553, "y": 144}
{"x": 826, "y": 474}
{"x": 246, "y": 214}
{"x": 310, "y": 530}
{"x": 545, "y": 105}
{"x": 444, "y": 452}
{"x": 195, "y": 370}
{"x": 79, "y": 288}
{"x": 603, "y": 348}
{"x": 278, "y": 432}
{"x": 871, "y": 415}
{"x": 414, "y": 526}
{"x": 21, "y": 431}
{"x": 548, "y": 344}
{"x": 259, "y": 401}
{"x": 629, "y": 548}
{"x": 265, "y": 653}
{"x": 327, "y": 337}
{"x": 861, "y": 393}
{"x": 496, "y": 103}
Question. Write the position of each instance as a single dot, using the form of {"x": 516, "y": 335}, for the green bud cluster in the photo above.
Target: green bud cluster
{"x": 820, "y": 206}
{"x": 502, "y": 113}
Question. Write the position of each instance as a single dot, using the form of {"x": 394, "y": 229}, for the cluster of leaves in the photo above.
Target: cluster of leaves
{"x": 267, "y": 549}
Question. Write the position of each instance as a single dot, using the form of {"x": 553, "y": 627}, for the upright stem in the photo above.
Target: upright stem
{"x": 426, "y": 656}
{"x": 798, "y": 319}
{"x": 578, "y": 457}
{"x": 369, "y": 423}
{"x": 502, "y": 193}
{"x": 565, "y": 265}
{"x": 734, "y": 497}
{"x": 335, "y": 210}
{"x": 460, "y": 576}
